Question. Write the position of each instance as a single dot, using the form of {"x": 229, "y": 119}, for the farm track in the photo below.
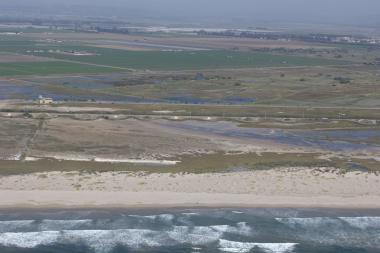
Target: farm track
{"x": 93, "y": 64}
{"x": 29, "y": 142}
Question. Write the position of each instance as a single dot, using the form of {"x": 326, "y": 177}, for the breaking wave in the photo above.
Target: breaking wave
{"x": 14, "y": 226}
{"x": 309, "y": 222}
{"x": 98, "y": 240}
{"x": 242, "y": 228}
{"x": 202, "y": 231}
{"x": 363, "y": 222}
{"x": 357, "y": 222}
{"x": 161, "y": 217}
{"x": 242, "y": 247}
{"x": 106, "y": 240}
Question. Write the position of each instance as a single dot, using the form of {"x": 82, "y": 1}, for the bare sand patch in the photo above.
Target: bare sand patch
{"x": 123, "y": 47}
{"x": 12, "y": 58}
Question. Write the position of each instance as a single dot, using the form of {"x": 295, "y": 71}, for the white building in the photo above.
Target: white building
{"x": 45, "y": 101}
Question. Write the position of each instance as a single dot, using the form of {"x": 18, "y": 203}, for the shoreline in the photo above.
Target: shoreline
{"x": 42, "y": 200}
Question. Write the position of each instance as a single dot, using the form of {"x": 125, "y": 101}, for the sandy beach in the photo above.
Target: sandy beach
{"x": 282, "y": 187}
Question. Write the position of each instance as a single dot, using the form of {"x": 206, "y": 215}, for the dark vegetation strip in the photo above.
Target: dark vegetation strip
{"x": 206, "y": 163}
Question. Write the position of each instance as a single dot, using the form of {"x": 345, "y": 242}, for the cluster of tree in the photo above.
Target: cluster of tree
{"x": 342, "y": 80}
{"x": 314, "y": 51}
{"x": 163, "y": 79}
{"x": 312, "y": 38}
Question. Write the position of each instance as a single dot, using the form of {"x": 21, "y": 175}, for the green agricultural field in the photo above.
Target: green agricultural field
{"x": 158, "y": 60}
{"x": 16, "y": 45}
{"x": 176, "y": 60}
{"x": 49, "y": 68}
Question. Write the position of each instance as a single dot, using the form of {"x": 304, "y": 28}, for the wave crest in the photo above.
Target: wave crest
{"x": 242, "y": 247}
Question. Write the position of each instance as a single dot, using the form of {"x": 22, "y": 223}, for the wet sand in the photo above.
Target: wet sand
{"x": 96, "y": 199}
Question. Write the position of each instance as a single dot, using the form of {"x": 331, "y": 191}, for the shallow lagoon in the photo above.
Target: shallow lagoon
{"x": 342, "y": 140}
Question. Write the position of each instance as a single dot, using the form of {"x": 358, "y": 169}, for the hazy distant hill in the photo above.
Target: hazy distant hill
{"x": 337, "y": 12}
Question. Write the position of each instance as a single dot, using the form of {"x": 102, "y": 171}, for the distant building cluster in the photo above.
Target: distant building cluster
{"x": 66, "y": 52}
{"x": 356, "y": 40}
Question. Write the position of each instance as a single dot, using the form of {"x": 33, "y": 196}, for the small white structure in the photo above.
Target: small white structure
{"x": 45, "y": 101}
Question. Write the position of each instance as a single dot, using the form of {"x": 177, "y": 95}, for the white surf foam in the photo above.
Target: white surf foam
{"x": 29, "y": 240}
{"x": 161, "y": 217}
{"x": 241, "y": 229}
{"x": 194, "y": 235}
{"x": 242, "y": 247}
{"x": 200, "y": 235}
{"x": 362, "y": 222}
{"x": 98, "y": 240}
{"x": 51, "y": 225}
{"x": 308, "y": 222}
{"x": 106, "y": 240}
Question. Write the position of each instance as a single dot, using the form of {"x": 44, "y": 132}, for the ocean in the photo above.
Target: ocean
{"x": 261, "y": 230}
